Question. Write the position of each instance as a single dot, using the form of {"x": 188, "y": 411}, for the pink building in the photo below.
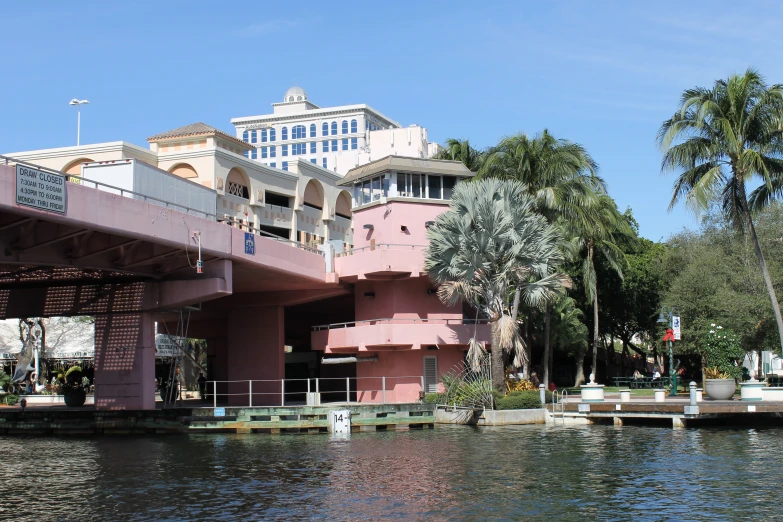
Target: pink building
{"x": 401, "y": 333}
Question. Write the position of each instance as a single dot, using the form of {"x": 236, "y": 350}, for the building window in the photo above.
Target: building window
{"x": 433, "y": 187}
{"x": 271, "y": 134}
{"x": 285, "y": 165}
{"x": 272, "y": 151}
{"x": 298, "y": 148}
{"x": 263, "y": 152}
{"x": 284, "y": 133}
{"x": 354, "y": 143}
{"x": 285, "y": 149}
{"x": 298, "y": 132}
{"x": 345, "y": 126}
{"x": 325, "y": 129}
{"x": 334, "y": 145}
{"x": 334, "y": 127}
{"x": 345, "y": 143}
{"x": 263, "y": 135}
{"x": 314, "y": 161}
{"x": 245, "y": 136}
{"x": 253, "y": 136}
{"x": 247, "y": 153}
{"x": 312, "y": 130}
{"x": 273, "y": 165}
{"x": 254, "y": 154}
{"x": 313, "y": 147}
{"x": 323, "y": 162}
{"x": 448, "y": 186}
{"x": 354, "y": 126}
{"x": 326, "y": 146}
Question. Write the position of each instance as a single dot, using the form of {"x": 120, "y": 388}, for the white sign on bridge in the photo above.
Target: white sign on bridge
{"x": 39, "y": 189}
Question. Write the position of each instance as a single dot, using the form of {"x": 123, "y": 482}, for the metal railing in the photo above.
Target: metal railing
{"x": 313, "y": 391}
{"x": 381, "y": 246}
{"x": 351, "y": 324}
{"x": 235, "y": 222}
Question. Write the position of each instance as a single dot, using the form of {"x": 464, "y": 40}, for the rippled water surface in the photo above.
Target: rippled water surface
{"x": 456, "y": 473}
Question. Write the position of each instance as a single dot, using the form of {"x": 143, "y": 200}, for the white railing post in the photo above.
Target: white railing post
{"x": 348, "y": 389}
{"x": 282, "y": 392}
{"x": 308, "y": 385}
{"x": 383, "y": 387}
{"x": 422, "y": 385}
{"x": 250, "y": 388}
{"x": 214, "y": 394}
{"x": 317, "y": 386}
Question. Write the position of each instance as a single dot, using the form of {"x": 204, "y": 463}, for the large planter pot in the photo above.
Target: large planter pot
{"x": 720, "y": 389}
{"x": 74, "y": 398}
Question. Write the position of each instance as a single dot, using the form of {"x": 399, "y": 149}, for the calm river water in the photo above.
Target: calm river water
{"x": 449, "y": 473}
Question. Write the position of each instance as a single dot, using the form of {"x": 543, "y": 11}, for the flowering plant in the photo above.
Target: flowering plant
{"x": 722, "y": 351}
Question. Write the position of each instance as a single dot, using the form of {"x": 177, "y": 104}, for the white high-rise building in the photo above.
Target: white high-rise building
{"x": 335, "y": 138}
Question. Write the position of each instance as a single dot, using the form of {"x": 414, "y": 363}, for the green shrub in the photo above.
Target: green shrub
{"x": 74, "y": 374}
{"x": 434, "y": 398}
{"x": 519, "y": 400}
{"x": 9, "y": 399}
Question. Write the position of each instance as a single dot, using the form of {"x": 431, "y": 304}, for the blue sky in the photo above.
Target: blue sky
{"x": 603, "y": 74}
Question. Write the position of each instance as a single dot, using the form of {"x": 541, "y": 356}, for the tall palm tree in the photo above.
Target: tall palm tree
{"x": 489, "y": 242}
{"x": 721, "y": 139}
{"x": 559, "y": 174}
{"x": 597, "y": 230}
{"x": 461, "y": 150}
{"x": 567, "y": 329}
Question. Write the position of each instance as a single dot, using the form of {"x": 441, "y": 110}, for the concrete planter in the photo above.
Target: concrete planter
{"x": 592, "y": 392}
{"x": 512, "y": 417}
{"x": 660, "y": 395}
{"x": 772, "y": 393}
{"x": 752, "y": 390}
{"x": 720, "y": 389}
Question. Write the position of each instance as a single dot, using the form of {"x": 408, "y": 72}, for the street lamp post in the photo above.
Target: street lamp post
{"x": 78, "y": 104}
{"x": 667, "y": 316}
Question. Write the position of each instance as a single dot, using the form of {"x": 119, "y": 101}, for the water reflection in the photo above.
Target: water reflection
{"x": 458, "y": 473}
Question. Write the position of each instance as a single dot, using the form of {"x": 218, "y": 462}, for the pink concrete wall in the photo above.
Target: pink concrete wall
{"x": 407, "y": 367}
{"x": 124, "y": 362}
{"x": 405, "y": 298}
{"x": 254, "y": 351}
{"x": 368, "y": 337}
{"x": 387, "y": 220}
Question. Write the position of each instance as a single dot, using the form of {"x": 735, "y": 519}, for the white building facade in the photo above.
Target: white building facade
{"x": 335, "y": 138}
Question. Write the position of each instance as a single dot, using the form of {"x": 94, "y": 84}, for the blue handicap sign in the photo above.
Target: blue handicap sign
{"x": 250, "y": 244}
{"x": 220, "y": 412}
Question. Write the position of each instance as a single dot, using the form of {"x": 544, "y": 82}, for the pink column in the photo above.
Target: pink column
{"x": 255, "y": 352}
{"x": 125, "y": 362}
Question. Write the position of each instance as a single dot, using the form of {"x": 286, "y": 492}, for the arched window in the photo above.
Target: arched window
{"x": 325, "y": 129}
{"x": 245, "y": 136}
{"x": 253, "y": 136}
{"x": 263, "y": 135}
{"x": 298, "y": 132}
{"x": 312, "y": 130}
{"x": 354, "y": 126}
{"x": 345, "y": 126}
{"x": 284, "y": 133}
{"x": 271, "y": 134}
{"x": 334, "y": 127}
{"x": 290, "y": 98}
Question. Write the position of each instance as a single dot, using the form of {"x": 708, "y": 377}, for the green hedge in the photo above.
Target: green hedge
{"x": 521, "y": 400}
{"x": 434, "y": 398}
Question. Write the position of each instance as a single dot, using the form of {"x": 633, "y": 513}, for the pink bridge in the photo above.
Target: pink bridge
{"x": 130, "y": 263}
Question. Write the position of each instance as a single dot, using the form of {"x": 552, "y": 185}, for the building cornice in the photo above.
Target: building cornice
{"x": 303, "y": 164}
{"x": 252, "y": 164}
{"x": 83, "y": 150}
{"x": 246, "y": 122}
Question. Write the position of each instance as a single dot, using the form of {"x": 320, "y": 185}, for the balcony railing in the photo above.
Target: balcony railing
{"x": 167, "y": 204}
{"x": 381, "y": 246}
{"x": 370, "y": 322}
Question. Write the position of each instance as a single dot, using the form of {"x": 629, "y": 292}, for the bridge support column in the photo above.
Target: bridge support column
{"x": 254, "y": 351}
{"x": 125, "y": 362}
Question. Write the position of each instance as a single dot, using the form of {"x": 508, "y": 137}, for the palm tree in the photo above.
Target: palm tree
{"x": 490, "y": 242}
{"x": 559, "y": 174}
{"x": 567, "y": 330}
{"x": 461, "y": 150}
{"x": 725, "y": 137}
{"x": 596, "y": 230}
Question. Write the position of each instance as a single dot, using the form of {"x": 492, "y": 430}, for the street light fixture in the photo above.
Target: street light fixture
{"x": 78, "y": 103}
{"x": 668, "y": 313}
